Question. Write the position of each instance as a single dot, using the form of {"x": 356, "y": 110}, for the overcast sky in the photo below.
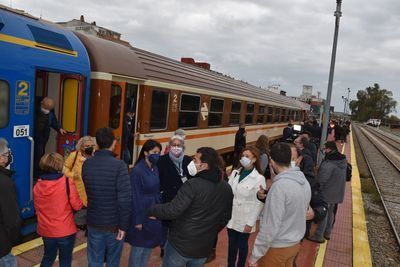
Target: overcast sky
{"x": 286, "y": 42}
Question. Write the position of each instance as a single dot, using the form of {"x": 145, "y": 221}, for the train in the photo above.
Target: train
{"x": 96, "y": 82}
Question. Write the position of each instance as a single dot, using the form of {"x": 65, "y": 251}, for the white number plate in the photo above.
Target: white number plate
{"x": 21, "y": 131}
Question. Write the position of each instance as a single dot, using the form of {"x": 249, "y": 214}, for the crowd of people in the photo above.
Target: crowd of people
{"x": 179, "y": 203}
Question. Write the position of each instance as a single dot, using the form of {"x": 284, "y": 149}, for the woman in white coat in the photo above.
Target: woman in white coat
{"x": 245, "y": 183}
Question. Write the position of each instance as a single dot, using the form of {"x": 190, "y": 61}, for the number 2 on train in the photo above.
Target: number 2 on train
{"x": 23, "y": 88}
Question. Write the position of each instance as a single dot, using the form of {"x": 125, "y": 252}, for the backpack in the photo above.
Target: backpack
{"x": 348, "y": 172}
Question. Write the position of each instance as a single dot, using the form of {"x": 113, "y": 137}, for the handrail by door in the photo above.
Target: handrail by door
{"x": 31, "y": 166}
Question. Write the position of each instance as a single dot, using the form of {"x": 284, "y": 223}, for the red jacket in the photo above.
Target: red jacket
{"x": 54, "y": 212}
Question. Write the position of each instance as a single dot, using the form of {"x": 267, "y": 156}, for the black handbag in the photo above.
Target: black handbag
{"x": 80, "y": 216}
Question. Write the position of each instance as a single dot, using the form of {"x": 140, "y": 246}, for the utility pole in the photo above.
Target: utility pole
{"x": 337, "y": 14}
{"x": 348, "y": 101}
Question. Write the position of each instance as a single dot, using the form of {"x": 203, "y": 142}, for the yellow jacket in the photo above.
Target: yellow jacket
{"x": 75, "y": 172}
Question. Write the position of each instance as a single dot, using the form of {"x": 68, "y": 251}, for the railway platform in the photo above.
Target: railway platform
{"x": 348, "y": 245}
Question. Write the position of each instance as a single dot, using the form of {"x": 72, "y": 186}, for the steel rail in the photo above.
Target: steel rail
{"x": 393, "y": 226}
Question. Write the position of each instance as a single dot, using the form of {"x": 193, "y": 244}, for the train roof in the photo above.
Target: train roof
{"x": 110, "y": 57}
{"x": 35, "y": 42}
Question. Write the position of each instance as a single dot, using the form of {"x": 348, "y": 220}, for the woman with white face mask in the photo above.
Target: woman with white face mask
{"x": 173, "y": 171}
{"x": 245, "y": 182}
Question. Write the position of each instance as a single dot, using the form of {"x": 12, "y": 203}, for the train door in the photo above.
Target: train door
{"x": 67, "y": 92}
{"x": 122, "y": 118}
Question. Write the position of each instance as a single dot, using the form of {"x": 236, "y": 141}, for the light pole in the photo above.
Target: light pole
{"x": 348, "y": 101}
{"x": 337, "y": 14}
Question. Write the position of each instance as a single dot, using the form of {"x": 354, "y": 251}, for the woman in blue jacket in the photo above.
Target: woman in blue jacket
{"x": 145, "y": 233}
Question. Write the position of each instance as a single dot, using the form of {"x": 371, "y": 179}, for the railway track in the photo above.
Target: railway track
{"x": 392, "y": 140}
{"x": 383, "y": 162}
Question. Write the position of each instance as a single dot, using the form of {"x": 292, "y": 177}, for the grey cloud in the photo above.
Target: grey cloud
{"x": 285, "y": 42}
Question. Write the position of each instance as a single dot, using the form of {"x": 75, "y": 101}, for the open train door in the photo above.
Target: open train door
{"x": 122, "y": 118}
{"x": 70, "y": 112}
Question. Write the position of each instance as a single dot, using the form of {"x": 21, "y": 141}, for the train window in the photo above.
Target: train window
{"x": 216, "y": 111}
{"x": 115, "y": 106}
{"x": 277, "y": 115}
{"x": 283, "y": 115}
{"x": 235, "y": 112}
{"x": 159, "y": 110}
{"x": 270, "y": 114}
{"x": 249, "y": 113}
{"x": 189, "y": 111}
{"x": 70, "y": 104}
{"x": 260, "y": 116}
{"x": 4, "y": 103}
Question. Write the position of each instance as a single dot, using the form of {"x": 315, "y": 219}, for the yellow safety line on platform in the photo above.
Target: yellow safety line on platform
{"x": 361, "y": 249}
{"x": 24, "y": 247}
{"x": 321, "y": 254}
{"x": 76, "y": 249}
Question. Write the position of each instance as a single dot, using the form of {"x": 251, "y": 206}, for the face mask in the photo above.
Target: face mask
{"x": 292, "y": 163}
{"x": 9, "y": 160}
{"x": 176, "y": 150}
{"x": 89, "y": 150}
{"x": 246, "y": 162}
{"x": 45, "y": 111}
{"x": 192, "y": 168}
{"x": 153, "y": 158}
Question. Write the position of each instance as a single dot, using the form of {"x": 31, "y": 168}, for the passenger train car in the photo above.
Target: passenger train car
{"x": 96, "y": 82}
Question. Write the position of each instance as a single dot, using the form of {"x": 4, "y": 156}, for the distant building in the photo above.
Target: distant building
{"x": 92, "y": 29}
{"x": 275, "y": 88}
{"x": 307, "y": 92}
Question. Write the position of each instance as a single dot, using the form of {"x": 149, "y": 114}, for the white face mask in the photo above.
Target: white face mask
{"x": 176, "y": 150}
{"x": 192, "y": 168}
{"x": 45, "y": 111}
{"x": 246, "y": 162}
{"x": 292, "y": 163}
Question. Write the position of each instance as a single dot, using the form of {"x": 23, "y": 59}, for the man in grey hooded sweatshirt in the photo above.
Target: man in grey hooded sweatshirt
{"x": 284, "y": 221}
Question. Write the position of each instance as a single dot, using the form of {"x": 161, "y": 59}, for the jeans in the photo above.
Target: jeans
{"x": 238, "y": 242}
{"x": 8, "y": 260}
{"x": 172, "y": 258}
{"x": 100, "y": 243}
{"x": 139, "y": 256}
{"x": 63, "y": 245}
{"x": 325, "y": 226}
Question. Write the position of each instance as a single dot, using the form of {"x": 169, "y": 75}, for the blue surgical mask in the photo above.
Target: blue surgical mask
{"x": 153, "y": 158}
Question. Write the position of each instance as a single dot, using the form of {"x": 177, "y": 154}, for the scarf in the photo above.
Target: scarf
{"x": 177, "y": 161}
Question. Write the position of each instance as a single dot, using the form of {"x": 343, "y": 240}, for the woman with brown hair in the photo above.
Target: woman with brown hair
{"x": 245, "y": 183}
{"x": 262, "y": 145}
{"x": 55, "y": 199}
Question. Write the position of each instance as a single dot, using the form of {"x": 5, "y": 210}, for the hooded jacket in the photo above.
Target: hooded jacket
{"x": 201, "y": 208}
{"x": 331, "y": 177}
{"x": 284, "y": 221}
{"x": 54, "y": 212}
{"x": 10, "y": 220}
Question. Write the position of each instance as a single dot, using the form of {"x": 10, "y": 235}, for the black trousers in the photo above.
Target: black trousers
{"x": 238, "y": 242}
{"x": 40, "y": 148}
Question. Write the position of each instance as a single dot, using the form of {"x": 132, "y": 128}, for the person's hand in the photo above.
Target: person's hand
{"x": 261, "y": 193}
{"x": 251, "y": 264}
{"x": 152, "y": 218}
{"x": 310, "y": 214}
{"x": 121, "y": 235}
{"x": 247, "y": 229}
{"x": 139, "y": 227}
{"x": 62, "y": 131}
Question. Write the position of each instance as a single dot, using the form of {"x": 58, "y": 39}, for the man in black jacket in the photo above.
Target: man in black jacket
{"x": 109, "y": 192}
{"x": 10, "y": 220}
{"x": 44, "y": 121}
{"x": 202, "y": 207}
{"x": 307, "y": 163}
